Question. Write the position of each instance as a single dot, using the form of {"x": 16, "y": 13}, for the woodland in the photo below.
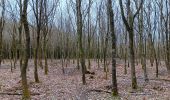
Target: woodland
{"x": 84, "y": 49}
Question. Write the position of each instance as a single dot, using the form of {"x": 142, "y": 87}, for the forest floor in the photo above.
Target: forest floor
{"x": 68, "y": 86}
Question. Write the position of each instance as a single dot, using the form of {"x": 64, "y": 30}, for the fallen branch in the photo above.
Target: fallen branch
{"x": 6, "y": 93}
{"x": 155, "y": 79}
{"x": 88, "y": 72}
{"x": 97, "y": 90}
{"x": 159, "y": 79}
{"x": 139, "y": 93}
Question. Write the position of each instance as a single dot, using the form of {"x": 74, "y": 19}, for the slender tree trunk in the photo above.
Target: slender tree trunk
{"x": 2, "y": 22}
{"x": 40, "y": 55}
{"x": 45, "y": 57}
{"x": 20, "y": 29}
{"x": 167, "y": 51}
{"x": 129, "y": 27}
{"x": 111, "y": 23}
{"x": 0, "y": 46}
{"x": 132, "y": 59}
{"x": 38, "y": 12}
{"x": 167, "y": 37}
{"x": 26, "y": 94}
{"x": 36, "y": 56}
{"x": 79, "y": 32}
{"x": 142, "y": 45}
{"x": 144, "y": 62}
{"x": 78, "y": 57}
{"x": 89, "y": 35}
{"x": 98, "y": 53}
{"x": 125, "y": 54}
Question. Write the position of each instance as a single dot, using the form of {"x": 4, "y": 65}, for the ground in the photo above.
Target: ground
{"x": 68, "y": 86}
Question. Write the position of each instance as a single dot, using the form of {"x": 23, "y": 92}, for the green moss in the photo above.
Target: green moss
{"x": 115, "y": 97}
{"x": 115, "y": 94}
{"x": 26, "y": 95}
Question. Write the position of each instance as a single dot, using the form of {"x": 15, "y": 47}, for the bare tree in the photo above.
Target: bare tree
{"x": 2, "y": 22}
{"x": 129, "y": 27}
{"x": 48, "y": 18}
{"x": 167, "y": 37}
{"x": 142, "y": 48}
{"x": 26, "y": 93}
{"x": 20, "y": 29}
{"x": 38, "y": 10}
{"x": 112, "y": 30}
{"x": 89, "y": 33}
{"x": 79, "y": 32}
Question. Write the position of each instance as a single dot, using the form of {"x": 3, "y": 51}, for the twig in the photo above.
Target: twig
{"x": 6, "y": 93}
{"x": 155, "y": 79}
{"x": 97, "y": 90}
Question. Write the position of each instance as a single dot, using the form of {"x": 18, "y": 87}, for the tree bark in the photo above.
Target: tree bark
{"x": 2, "y": 22}
{"x": 111, "y": 23}
{"x": 129, "y": 28}
{"x": 79, "y": 32}
{"x": 26, "y": 93}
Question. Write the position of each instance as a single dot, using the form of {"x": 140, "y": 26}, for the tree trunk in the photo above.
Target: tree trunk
{"x": 2, "y": 22}
{"x": 132, "y": 59}
{"x": 142, "y": 45}
{"x": 36, "y": 56}
{"x": 26, "y": 93}
{"x": 79, "y": 32}
{"x": 45, "y": 57}
{"x": 129, "y": 27}
{"x": 125, "y": 54}
{"x": 111, "y": 23}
